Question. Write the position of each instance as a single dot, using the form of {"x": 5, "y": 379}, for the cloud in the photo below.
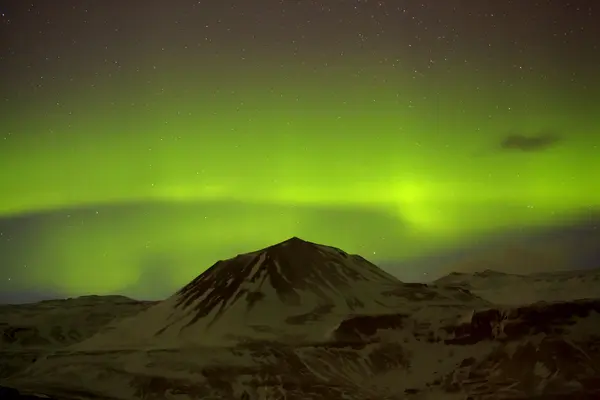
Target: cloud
{"x": 519, "y": 142}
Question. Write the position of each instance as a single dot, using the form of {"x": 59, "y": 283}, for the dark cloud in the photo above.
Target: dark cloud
{"x": 521, "y": 142}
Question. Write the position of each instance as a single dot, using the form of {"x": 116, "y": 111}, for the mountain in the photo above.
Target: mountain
{"x": 292, "y": 291}
{"x": 300, "y": 320}
{"x": 503, "y": 288}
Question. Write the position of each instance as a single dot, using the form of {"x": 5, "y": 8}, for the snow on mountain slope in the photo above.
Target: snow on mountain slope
{"x": 294, "y": 290}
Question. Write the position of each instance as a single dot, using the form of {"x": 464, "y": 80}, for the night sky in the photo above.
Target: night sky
{"x": 141, "y": 141}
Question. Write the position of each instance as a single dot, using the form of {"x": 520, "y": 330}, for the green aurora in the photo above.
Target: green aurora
{"x": 200, "y": 171}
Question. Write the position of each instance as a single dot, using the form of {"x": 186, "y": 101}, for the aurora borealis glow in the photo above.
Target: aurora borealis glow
{"x": 137, "y": 150}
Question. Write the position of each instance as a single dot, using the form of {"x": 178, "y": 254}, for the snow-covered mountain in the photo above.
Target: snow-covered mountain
{"x": 299, "y": 320}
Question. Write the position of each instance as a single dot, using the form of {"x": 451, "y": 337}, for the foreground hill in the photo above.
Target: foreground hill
{"x": 299, "y": 320}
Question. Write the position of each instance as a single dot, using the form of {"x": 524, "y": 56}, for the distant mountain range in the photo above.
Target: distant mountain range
{"x": 574, "y": 245}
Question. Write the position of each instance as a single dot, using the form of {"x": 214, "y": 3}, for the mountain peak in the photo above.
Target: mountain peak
{"x": 486, "y": 273}
{"x": 294, "y": 288}
{"x": 283, "y": 272}
{"x": 291, "y": 244}
{"x": 294, "y": 239}
{"x": 292, "y": 291}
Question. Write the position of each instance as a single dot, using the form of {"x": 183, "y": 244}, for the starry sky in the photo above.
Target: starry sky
{"x": 142, "y": 141}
